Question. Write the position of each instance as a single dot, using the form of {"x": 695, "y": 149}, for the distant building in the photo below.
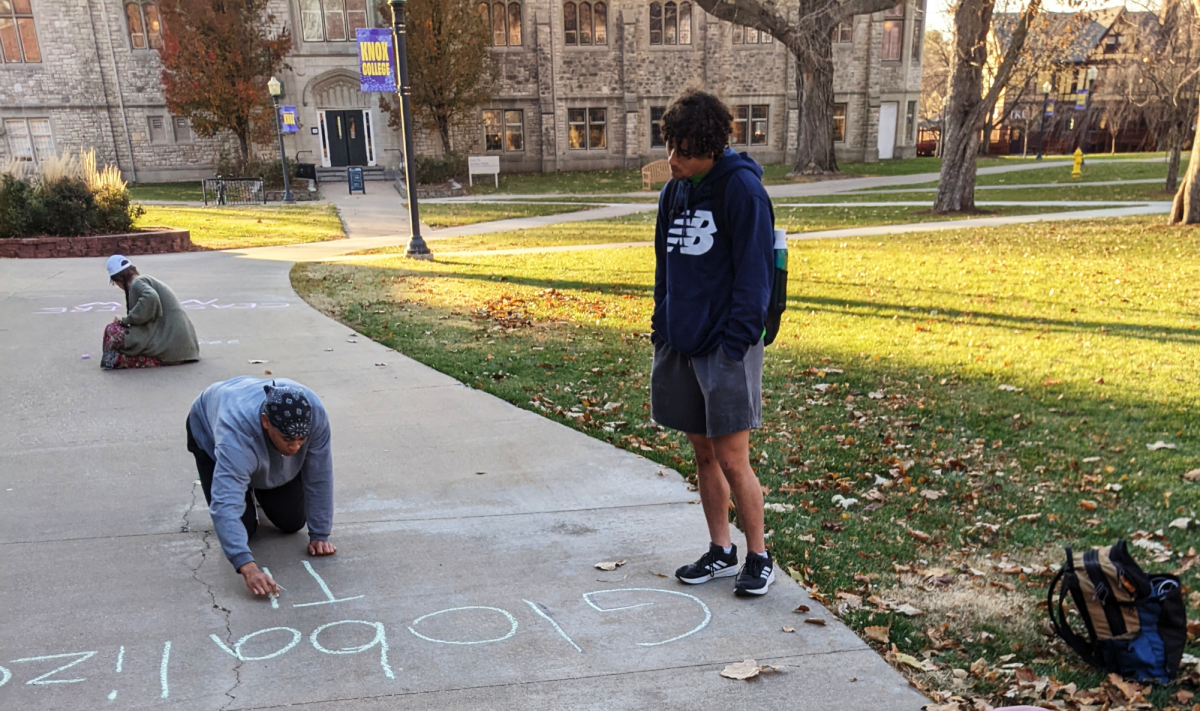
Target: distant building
{"x": 582, "y": 85}
{"x": 1088, "y": 104}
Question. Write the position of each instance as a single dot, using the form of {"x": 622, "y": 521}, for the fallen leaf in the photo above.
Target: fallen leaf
{"x": 1010, "y": 388}
{"x": 779, "y": 508}
{"x": 877, "y": 395}
{"x": 789, "y": 629}
{"x": 1180, "y": 523}
{"x": 747, "y": 669}
{"x": 1184, "y": 697}
{"x": 1160, "y": 445}
{"x": 877, "y": 634}
{"x": 910, "y": 661}
{"x": 801, "y": 608}
{"x": 1029, "y": 517}
{"x": 815, "y": 621}
{"x": 610, "y": 565}
{"x": 1087, "y": 505}
{"x": 931, "y": 494}
{"x": 908, "y": 610}
{"x": 255, "y": 361}
{"x": 1193, "y": 475}
{"x": 1007, "y": 586}
{"x": 920, "y": 535}
{"x": 843, "y": 501}
{"x": 1131, "y": 690}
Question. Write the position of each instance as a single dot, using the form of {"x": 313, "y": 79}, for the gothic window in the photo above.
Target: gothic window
{"x": 18, "y": 37}
{"x": 918, "y": 34}
{"x": 585, "y": 23}
{"x": 670, "y": 22}
{"x": 656, "y": 136}
{"x": 839, "y": 123}
{"x": 504, "y": 21}
{"x": 30, "y": 140}
{"x": 145, "y": 28}
{"x": 586, "y": 129}
{"x": 332, "y": 20}
{"x": 749, "y": 125}
{"x": 893, "y": 34}
{"x": 504, "y": 130}
{"x": 749, "y": 35}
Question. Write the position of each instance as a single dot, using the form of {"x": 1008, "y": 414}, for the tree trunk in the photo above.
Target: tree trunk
{"x": 956, "y": 185}
{"x": 1174, "y": 148}
{"x": 1186, "y": 210}
{"x": 814, "y": 91}
{"x": 444, "y": 134}
{"x": 964, "y": 120}
{"x": 244, "y": 145}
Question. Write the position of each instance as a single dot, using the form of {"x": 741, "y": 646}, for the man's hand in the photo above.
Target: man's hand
{"x": 117, "y": 319}
{"x": 321, "y": 548}
{"x": 257, "y": 581}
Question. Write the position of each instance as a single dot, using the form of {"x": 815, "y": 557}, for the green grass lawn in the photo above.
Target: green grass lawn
{"x": 640, "y": 227}
{"x": 444, "y": 214}
{"x": 258, "y": 226}
{"x": 166, "y": 191}
{"x": 982, "y": 398}
{"x": 1068, "y": 191}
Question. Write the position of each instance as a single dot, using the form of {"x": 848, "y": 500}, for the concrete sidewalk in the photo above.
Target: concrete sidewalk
{"x": 467, "y": 532}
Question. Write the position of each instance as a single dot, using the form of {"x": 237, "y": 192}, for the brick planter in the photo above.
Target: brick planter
{"x": 147, "y": 242}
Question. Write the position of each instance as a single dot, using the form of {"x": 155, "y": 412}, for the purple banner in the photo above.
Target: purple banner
{"x": 287, "y": 119}
{"x": 376, "y": 60}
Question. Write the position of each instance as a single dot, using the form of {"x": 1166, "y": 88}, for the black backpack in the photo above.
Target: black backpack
{"x": 1136, "y": 623}
{"x": 778, "y": 301}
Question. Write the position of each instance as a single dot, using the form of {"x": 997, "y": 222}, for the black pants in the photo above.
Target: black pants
{"x": 283, "y": 505}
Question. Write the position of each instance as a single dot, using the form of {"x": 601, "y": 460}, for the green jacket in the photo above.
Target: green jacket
{"x": 157, "y": 325}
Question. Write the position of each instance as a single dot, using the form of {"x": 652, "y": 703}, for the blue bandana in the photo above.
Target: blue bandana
{"x": 288, "y": 410}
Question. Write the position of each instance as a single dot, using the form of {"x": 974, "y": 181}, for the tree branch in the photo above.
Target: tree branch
{"x": 1004, "y": 71}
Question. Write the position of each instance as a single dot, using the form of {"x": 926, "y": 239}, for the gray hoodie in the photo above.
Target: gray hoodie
{"x": 226, "y": 424}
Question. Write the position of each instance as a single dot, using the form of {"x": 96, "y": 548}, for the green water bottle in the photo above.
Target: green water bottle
{"x": 778, "y": 303}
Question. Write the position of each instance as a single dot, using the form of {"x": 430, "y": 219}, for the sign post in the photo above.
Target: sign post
{"x": 416, "y": 245}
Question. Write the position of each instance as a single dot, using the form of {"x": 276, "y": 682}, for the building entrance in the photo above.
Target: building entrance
{"x": 346, "y": 134}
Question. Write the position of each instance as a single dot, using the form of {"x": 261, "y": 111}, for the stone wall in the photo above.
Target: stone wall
{"x": 149, "y": 242}
{"x": 99, "y": 92}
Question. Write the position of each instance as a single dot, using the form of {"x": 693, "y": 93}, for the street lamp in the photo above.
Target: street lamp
{"x": 276, "y": 88}
{"x": 416, "y": 245}
{"x": 1046, "y": 88}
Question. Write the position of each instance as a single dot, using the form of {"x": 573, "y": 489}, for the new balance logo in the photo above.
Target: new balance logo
{"x": 692, "y": 233}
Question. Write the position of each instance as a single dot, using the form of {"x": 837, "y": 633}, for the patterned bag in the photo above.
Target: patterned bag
{"x": 1136, "y": 623}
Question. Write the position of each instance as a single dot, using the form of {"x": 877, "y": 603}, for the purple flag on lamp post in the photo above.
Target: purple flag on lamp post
{"x": 376, "y": 60}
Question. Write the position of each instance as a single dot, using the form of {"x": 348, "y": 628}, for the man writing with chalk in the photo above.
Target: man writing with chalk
{"x": 266, "y": 440}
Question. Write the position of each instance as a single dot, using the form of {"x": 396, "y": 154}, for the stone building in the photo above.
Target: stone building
{"x": 582, "y": 85}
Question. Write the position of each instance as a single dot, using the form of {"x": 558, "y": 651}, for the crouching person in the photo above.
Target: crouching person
{"x": 264, "y": 440}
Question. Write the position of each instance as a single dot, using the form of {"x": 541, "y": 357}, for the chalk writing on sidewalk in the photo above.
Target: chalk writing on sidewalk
{"x": 189, "y": 304}
{"x": 273, "y": 643}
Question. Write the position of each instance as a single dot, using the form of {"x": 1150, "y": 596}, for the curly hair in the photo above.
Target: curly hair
{"x": 701, "y": 120}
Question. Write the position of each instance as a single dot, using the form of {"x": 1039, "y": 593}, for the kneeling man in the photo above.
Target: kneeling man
{"x": 266, "y": 440}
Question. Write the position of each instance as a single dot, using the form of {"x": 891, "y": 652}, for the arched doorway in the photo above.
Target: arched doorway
{"x": 345, "y": 120}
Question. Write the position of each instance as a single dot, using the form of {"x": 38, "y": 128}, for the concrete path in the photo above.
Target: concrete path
{"x": 467, "y": 532}
{"x": 1027, "y": 186}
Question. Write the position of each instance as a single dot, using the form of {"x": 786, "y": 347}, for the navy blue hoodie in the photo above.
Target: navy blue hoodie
{"x": 711, "y": 288}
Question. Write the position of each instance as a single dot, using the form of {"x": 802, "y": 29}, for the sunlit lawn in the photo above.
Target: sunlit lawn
{"x": 184, "y": 192}
{"x": 453, "y": 214}
{"x": 258, "y": 226}
{"x": 980, "y": 398}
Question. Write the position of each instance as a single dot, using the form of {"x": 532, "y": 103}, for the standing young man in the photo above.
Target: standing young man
{"x": 266, "y": 440}
{"x": 713, "y": 247}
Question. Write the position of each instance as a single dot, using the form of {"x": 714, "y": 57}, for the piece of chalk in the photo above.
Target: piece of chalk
{"x": 85, "y": 356}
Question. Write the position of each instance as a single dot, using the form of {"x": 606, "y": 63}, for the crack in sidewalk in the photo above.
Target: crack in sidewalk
{"x": 212, "y": 596}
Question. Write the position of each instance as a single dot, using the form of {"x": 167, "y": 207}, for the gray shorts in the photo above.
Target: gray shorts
{"x": 712, "y": 394}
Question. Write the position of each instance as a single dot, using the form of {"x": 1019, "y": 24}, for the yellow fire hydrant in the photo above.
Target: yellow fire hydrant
{"x": 1077, "y": 171}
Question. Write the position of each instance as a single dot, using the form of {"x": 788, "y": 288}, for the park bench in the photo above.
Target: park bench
{"x": 483, "y": 165}
{"x": 657, "y": 172}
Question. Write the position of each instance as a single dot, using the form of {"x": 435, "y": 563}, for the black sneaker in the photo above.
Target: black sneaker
{"x": 713, "y": 564}
{"x": 756, "y": 575}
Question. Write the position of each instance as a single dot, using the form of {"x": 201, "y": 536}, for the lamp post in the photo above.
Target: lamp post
{"x": 1046, "y": 87}
{"x": 416, "y": 245}
{"x": 276, "y": 89}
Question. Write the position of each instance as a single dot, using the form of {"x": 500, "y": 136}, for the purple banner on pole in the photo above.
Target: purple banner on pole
{"x": 376, "y": 60}
{"x": 287, "y": 119}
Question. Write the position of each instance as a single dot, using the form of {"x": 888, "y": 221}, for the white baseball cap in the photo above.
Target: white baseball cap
{"x": 117, "y": 264}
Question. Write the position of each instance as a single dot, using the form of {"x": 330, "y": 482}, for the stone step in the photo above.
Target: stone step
{"x": 338, "y": 175}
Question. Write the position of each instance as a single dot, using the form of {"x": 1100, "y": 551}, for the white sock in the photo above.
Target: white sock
{"x": 728, "y": 549}
{"x": 764, "y": 555}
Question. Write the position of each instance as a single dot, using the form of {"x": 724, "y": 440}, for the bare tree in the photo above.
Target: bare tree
{"x": 969, "y": 106}
{"x": 809, "y": 38}
{"x": 1164, "y": 83}
{"x": 935, "y": 77}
